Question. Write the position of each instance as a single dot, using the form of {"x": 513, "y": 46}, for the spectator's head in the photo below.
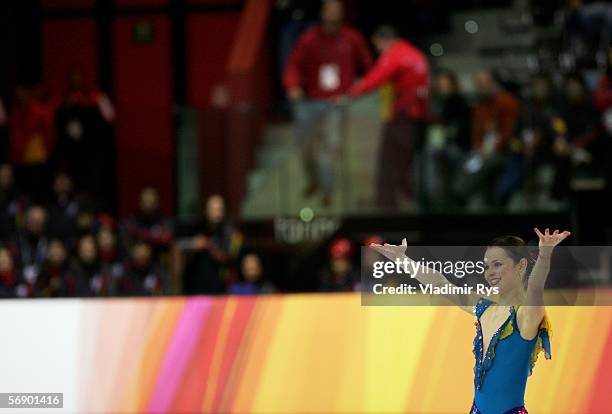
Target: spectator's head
{"x": 141, "y": 254}
{"x": 87, "y": 250}
{"x": 383, "y": 37}
{"x": 6, "y": 261}
{"x": 332, "y": 15}
{"x": 373, "y": 239}
{"x": 486, "y": 84}
{"x": 149, "y": 200}
{"x": 62, "y": 184}
{"x": 56, "y": 253}
{"x": 251, "y": 267}
{"x": 341, "y": 252}
{"x": 575, "y": 88}
{"x": 215, "y": 209}
{"x": 446, "y": 83}
{"x": 541, "y": 87}
{"x": 106, "y": 239}
{"x": 7, "y": 178}
{"x": 36, "y": 220}
{"x": 85, "y": 221}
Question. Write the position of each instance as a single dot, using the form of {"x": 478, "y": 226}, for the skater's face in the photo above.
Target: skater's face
{"x": 502, "y": 271}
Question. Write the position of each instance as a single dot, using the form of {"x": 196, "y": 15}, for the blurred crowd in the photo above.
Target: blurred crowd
{"x": 59, "y": 234}
{"x": 440, "y": 146}
{"x": 501, "y": 144}
{"x": 66, "y": 248}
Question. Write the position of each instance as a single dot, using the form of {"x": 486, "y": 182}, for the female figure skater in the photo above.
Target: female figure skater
{"x": 508, "y": 338}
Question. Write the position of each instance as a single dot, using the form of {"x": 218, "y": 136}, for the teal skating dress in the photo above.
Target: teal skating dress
{"x": 500, "y": 377}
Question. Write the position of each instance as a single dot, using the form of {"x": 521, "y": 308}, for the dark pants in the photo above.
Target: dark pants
{"x": 395, "y": 161}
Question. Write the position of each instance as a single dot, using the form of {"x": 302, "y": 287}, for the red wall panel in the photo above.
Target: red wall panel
{"x": 143, "y": 94}
{"x": 68, "y": 44}
{"x": 209, "y": 41}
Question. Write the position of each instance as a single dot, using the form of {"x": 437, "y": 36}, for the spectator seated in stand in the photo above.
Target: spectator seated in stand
{"x": 142, "y": 275}
{"x": 340, "y": 274}
{"x": 251, "y": 278}
{"x": 149, "y": 224}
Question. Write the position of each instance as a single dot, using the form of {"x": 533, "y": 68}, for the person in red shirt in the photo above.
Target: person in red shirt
{"x": 32, "y": 139}
{"x": 407, "y": 69}
{"x": 324, "y": 63}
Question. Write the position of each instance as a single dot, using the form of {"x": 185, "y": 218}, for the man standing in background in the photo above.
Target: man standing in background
{"x": 324, "y": 63}
{"x": 407, "y": 69}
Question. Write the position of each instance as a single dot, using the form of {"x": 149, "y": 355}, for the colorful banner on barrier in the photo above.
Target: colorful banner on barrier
{"x": 281, "y": 354}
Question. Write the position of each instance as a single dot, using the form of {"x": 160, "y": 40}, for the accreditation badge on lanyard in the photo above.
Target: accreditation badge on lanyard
{"x": 329, "y": 77}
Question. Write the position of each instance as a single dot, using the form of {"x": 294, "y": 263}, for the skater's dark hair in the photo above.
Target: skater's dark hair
{"x": 516, "y": 248}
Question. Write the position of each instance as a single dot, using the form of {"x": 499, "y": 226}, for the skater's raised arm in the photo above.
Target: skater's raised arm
{"x": 530, "y": 315}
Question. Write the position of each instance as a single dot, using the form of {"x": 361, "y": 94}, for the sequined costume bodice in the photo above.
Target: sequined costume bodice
{"x": 500, "y": 375}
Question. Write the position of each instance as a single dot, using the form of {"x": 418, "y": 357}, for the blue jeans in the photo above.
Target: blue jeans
{"x": 319, "y": 130}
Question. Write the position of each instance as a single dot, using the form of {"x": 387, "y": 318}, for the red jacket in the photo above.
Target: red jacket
{"x": 326, "y": 65}
{"x": 408, "y": 70}
{"x": 500, "y": 114}
{"x": 602, "y": 97}
{"x": 35, "y": 117}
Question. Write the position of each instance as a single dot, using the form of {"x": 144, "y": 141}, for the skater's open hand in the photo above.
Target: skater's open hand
{"x": 548, "y": 241}
{"x": 391, "y": 251}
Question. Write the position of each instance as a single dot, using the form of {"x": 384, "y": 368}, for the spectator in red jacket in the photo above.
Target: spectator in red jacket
{"x": 32, "y": 139}
{"x": 324, "y": 63}
{"x": 495, "y": 115}
{"x": 407, "y": 69}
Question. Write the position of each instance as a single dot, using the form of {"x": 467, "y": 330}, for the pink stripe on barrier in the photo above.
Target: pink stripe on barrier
{"x": 181, "y": 346}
